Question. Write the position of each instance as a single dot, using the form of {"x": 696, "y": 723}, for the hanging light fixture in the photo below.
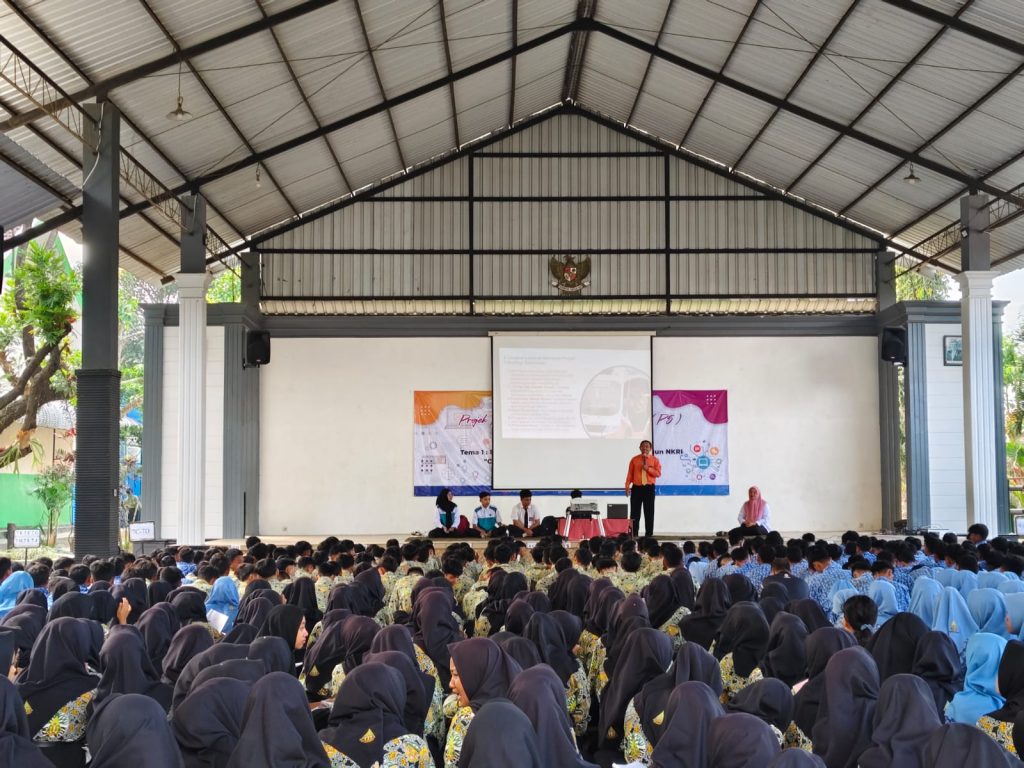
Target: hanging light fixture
{"x": 258, "y": 175}
{"x": 911, "y": 177}
{"x": 179, "y": 114}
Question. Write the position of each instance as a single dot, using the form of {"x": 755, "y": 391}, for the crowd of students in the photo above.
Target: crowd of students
{"x": 740, "y": 653}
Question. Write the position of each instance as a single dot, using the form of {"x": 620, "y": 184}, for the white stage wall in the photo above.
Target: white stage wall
{"x": 336, "y": 430}
{"x": 947, "y": 475}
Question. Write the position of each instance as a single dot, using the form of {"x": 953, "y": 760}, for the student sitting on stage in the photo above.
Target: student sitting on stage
{"x": 448, "y": 521}
{"x": 487, "y": 519}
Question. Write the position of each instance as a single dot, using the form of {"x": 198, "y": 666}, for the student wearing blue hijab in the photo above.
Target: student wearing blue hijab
{"x": 979, "y": 696}
{"x": 947, "y": 577}
{"x": 1011, "y": 587}
{"x": 924, "y": 598}
{"x": 990, "y": 579}
{"x": 988, "y": 609}
{"x": 884, "y": 594}
{"x": 968, "y": 582}
{"x": 953, "y": 617}
{"x": 223, "y": 598}
{"x": 1015, "y": 614}
{"x": 13, "y": 586}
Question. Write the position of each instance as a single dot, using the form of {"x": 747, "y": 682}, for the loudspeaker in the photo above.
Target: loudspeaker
{"x": 257, "y": 348}
{"x": 894, "y": 345}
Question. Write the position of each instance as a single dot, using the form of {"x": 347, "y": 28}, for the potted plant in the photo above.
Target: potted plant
{"x": 53, "y": 488}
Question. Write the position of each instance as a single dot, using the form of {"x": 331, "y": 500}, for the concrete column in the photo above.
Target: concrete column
{"x": 915, "y": 398}
{"x": 192, "y": 284}
{"x": 96, "y": 477}
{"x": 979, "y": 398}
{"x": 888, "y": 400}
{"x": 249, "y": 266}
{"x": 153, "y": 401}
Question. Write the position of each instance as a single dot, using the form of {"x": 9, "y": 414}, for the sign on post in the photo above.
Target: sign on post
{"x": 26, "y": 538}
{"x": 141, "y": 532}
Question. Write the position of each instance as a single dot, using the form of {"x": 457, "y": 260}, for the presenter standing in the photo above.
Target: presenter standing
{"x": 644, "y": 469}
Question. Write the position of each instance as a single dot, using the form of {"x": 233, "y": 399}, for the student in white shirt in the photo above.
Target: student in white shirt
{"x": 526, "y": 519}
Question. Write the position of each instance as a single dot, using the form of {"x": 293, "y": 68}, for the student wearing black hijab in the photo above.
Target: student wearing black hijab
{"x": 61, "y": 586}
{"x": 650, "y": 654}
{"x": 518, "y": 613}
{"x": 480, "y": 672}
{"x": 685, "y": 741}
{"x": 628, "y": 615}
{"x": 794, "y": 757}
{"x": 257, "y": 610}
{"x": 501, "y": 591}
{"x": 740, "y": 647}
{"x": 842, "y": 731}
{"x": 273, "y": 652}
{"x": 74, "y": 605}
{"x": 127, "y": 669}
{"x": 104, "y": 606}
{"x": 684, "y": 586}
{"x": 191, "y": 607}
{"x": 320, "y": 660}
{"x": 812, "y": 614}
{"x": 419, "y": 687}
{"x": 937, "y": 662}
{"x": 741, "y": 741}
{"x": 398, "y": 638}
{"x": 821, "y": 646}
{"x": 131, "y": 729}
{"x": 367, "y": 720}
{"x": 56, "y": 685}
{"x": 522, "y": 650}
{"x": 207, "y": 723}
{"x": 448, "y": 522}
{"x": 955, "y": 745}
{"x": 539, "y": 694}
{"x": 16, "y": 746}
{"x": 435, "y": 629}
{"x": 741, "y": 589}
{"x": 500, "y": 736}
{"x": 544, "y": 632}
{"x": 186, "y": 643}
{"x": 664, "y": 606}
{"x": 302, "y": 593}
{"x": 786, "y": 658}
{"x": 769, "y": 700}
{"x": 288, "y": 623}
{"x": 713, "y": 603}
{"x": 158, "y": 626}
{"x": 894, "y": 645}
{"x": 27, "y": 622}
{"x": 904, "y": 721}
{"x": 135, "y": 591}
{"x": 215, "y": 655}
{"x": 277, "y": 729}
{"x": 1010, "y": 684}
{"x": 576, "y": 595}
{"x": 370, "y": 581}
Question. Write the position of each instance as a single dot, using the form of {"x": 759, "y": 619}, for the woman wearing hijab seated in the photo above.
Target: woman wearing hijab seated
{"x": 665, "y": 607}
{"x": 955, "y": 745}
{"x": 501, "y": 737}
{"x": 821, "y": 646}
{"x": 786, "y": 657}
{"x": 135, "y": 591}
{"x": 191, "y": 608}
{"x": 904, "y": 720}
{"x": 1010, "y": 683}
{"x": 522, "y": 650}
{"x": 937, "y": 663}
{"x": 979, "y": 696}
{"x": 158, "y": 625}
{"x": 771, "y": 701}
{"x": 480, "y": 672}
{"x": 398, "y": 638}
{"x": 842, "y": 730}
{"x": 740, "y": 741}
{"x": 186, "y": 643}
{"x": 894, "y": 646}
{"x": 539, "y": 694}
{"x": 988, "y": 609}
{"x": 418, "y": 687}
{"x": 16, "y": 746}
{"x": 288, "y": 623}
{"x": 207, "y": 723}
{"x": 223, "y": 599}
{"x": 277, "y": 729}
{"x": 57, "y": 688}
{"x": 448, "y": 521}
{"x": 924, "y": 598}
{"x": 713, "y": 603}
{"x": 545, "y": 633}
{"x": 127, "y": 669}
{"x": 754, "y": 516}
{"x": 129, "y": 729}
{"x": 13, "y": 586}
{"x": 354, "y": 640}
{"x": 953, "y": 617}
{"x": 685, "y": 725}
{"x": 884, "y": 594}
{"x": 740, "y": 648}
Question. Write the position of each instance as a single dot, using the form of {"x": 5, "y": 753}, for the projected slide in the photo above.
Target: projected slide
{"x": 583, "y": 401}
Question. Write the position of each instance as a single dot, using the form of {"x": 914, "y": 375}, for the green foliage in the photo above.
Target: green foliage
{"x": 40, "y": 298}
{"x": 916, "y": 286}
{"x": 53, "y": 489}
{"x": 225, "y": 288}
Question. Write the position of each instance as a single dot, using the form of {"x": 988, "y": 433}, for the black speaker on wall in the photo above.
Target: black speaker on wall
{"x": 257, "y": 348}
{"x": 894, "y": 345}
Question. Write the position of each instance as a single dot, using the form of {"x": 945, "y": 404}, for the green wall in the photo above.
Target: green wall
{"x": 17, "y": 505}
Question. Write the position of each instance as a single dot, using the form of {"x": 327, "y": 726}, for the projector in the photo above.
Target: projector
{"x": 580, "y": 510}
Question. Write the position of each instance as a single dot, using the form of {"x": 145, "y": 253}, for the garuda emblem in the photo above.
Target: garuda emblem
{"x": 568, "y": 275}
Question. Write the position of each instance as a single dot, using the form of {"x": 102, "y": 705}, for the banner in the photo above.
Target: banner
{"x": 452, "y": 442}
{"x": 691, "y": 440}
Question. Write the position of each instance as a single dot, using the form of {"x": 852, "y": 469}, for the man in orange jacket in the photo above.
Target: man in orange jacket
{"x": 644, "y": 469}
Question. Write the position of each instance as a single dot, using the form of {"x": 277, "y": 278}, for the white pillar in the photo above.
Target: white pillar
{"x": 192, "y": 406}
{"x": 979, "y": 398}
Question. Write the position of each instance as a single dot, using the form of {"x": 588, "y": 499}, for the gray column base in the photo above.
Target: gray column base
{"x": 97, "y": 478}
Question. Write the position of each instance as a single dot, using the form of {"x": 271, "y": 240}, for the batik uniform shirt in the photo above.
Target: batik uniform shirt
{"x": 800, "y": 570}
{"x": 726, "y": 570}
{"x": 68, "y": 723}
{"x": 820, "y": 584}
{"x": 635, "y": 746}
{"x": 546, "y": 581}
{"x": 732, "y": 681}
{"x": 999, "y": 730}
{"x": 322, "y": 587}
{"x": 586, "y": 645}
{"x": 795, "y": 738}
{"x": 405, "y": 565}
{"x": 902, "y": 596}
{"x": 534, "y": 573}
{"x": 314, "y": 634}
{"x": 482, "y": 626}
{"x": 472, "y": 599}
{"x": 408, "y": 751}
{"x": 630, "y": 583}
{"x": 202, "y": 585}
{"x": 671, "y": 627}
{"x": 863, "y": 582}
{"x": 388, "y": 579}
{"x": 401, "y": 596}
{"x": 901, "y": 575}
{"x": 345, "y": 577}
{"x": 456, "y": 736}
{"x": 756, "y": 572}
{"x": 187, "y": 569}
{"x": 435, "y": 722}
{"x": 472, "y": 570}
{"x": 278, "y": 585}
{"x": 461, "y": 588}
{"x": 577, "y": 699}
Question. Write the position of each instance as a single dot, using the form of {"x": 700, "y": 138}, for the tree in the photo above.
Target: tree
{"x": 225, "y": 288}
{"x": 37, "y": 313}
{"x": 918, "y": 286}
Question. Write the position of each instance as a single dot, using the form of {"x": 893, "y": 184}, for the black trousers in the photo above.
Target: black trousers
{"x": 749, "y": 530}
{"x": 642, "y": 496}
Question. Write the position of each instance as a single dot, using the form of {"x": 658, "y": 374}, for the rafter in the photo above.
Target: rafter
{"x": 954, "y": 22}
{"x": 101, "y": 88}
{"x": 877, "y": 98}
{"x": 380, "y": 83}
{"x": 448, "y": 61}
{"x": 512, "y": 64}
{"x": 721, "y": 71}
{"x": 818, "y": 53}
{"x": 585, "y": 10}
{"x": 216, "y": 101}
{"x": 650, "y": 62}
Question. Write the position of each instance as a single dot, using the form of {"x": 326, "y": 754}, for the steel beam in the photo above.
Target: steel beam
{"x": 380, "y": 83}
{"x": 448, "y": 62}
{"x": 585, "y": 10}
{"x": 512, "y": 71}
{"x": 954, "y": 22}
{"x": 650, "y": 62}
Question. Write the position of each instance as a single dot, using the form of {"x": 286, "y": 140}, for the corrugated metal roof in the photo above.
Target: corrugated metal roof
{"x": 327, "y": 51}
